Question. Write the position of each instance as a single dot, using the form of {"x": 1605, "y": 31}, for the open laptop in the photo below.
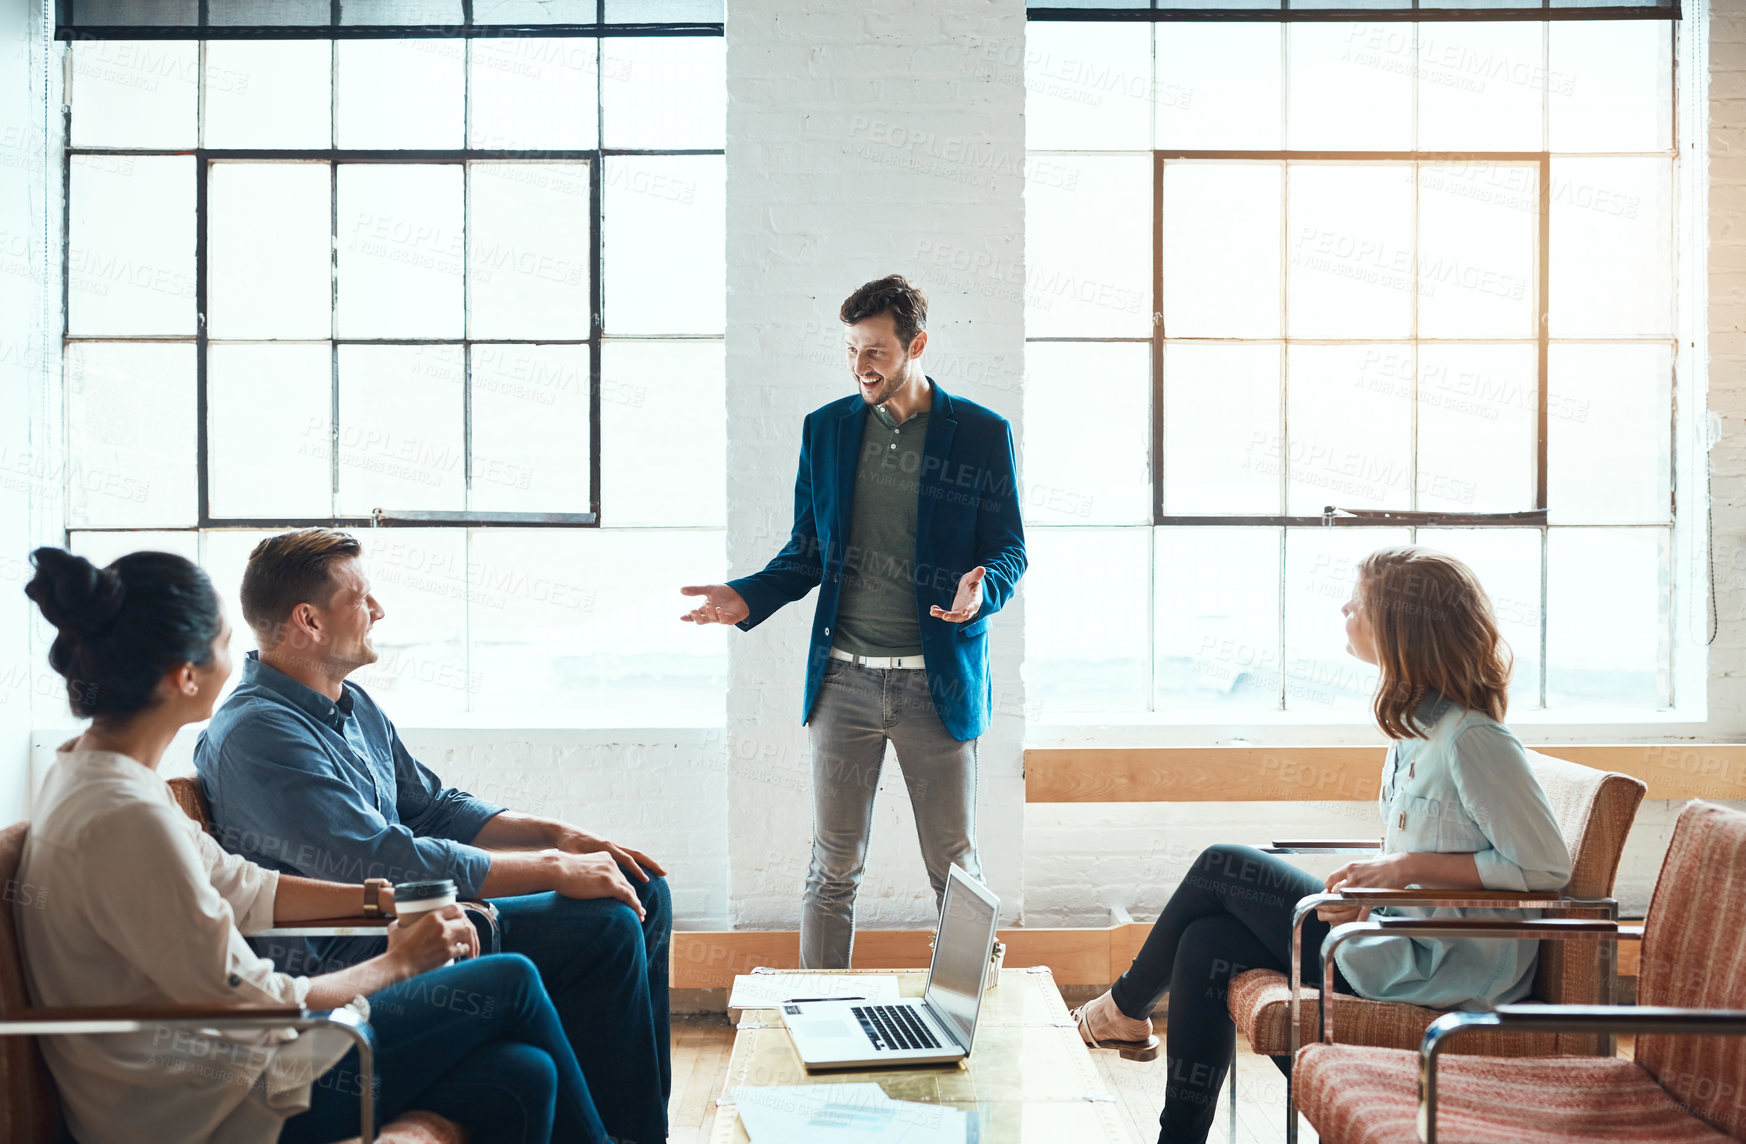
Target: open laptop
{"x": 937, "y": 1027}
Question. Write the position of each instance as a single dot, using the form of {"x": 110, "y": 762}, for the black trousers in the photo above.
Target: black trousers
{"x": 1231, "y": 914}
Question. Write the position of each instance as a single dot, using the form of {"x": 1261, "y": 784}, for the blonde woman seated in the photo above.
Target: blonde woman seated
{"x": 134, "y": 905}
{"x": 1460, "y": 809}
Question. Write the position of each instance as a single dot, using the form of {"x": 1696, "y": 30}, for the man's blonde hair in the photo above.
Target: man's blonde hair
{"x": 290, "y": 569}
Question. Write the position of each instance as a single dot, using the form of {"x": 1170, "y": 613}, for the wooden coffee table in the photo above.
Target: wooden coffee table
{"x": 1029, "y": 1077}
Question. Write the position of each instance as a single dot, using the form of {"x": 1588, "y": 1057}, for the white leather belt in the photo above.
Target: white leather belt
{"x": 903, "y": 662}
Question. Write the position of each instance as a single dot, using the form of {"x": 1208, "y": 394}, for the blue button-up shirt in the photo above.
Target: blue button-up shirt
{"x": 305, "y": 785}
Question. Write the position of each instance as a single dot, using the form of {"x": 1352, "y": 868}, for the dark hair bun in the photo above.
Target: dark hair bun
{"x": 74, "y": 594}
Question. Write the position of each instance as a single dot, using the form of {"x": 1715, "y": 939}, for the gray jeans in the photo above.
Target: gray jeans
{"x": 857, "y": 711}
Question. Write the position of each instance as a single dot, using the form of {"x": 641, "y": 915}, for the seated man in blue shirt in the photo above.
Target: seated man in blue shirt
{"x": 306, "y": 775}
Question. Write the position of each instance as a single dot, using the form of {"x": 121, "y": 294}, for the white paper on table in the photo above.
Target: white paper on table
{"x": 769, "y": 990}
{"x": 827, "y": 1113}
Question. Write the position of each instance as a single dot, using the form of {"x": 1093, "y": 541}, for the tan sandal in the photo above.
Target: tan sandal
{"x": 1146, "y": 1050}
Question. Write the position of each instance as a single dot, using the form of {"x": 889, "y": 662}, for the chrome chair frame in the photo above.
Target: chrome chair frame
{"x": 64, "y": 1022}
{"x": 1481, "y": 899}
{"x": 1636, "y": 1019}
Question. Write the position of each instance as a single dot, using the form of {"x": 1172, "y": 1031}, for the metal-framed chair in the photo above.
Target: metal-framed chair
{"x": 1688, "y": 1071}
{"x": 30, "y": 1108}
{"x": 1595, "y": 810}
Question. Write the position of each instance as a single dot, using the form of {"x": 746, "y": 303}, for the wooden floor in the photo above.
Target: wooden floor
{"x": 701, "y": 1045}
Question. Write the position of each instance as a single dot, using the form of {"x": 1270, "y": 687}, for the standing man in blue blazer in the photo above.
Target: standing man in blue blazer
{"x": 906, "y": 518}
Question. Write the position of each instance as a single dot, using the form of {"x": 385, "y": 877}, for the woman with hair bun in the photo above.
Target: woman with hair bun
{"x": 135, "y": 905}
{"x": 1460, "y": 809}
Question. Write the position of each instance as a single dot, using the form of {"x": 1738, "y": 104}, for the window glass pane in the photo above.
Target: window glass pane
{"x": 401, "y": 12}
{"x": 1610, "y": 85}
{"x": 584, "y": 623}
{"x": 401, "y": 93}
{"x": 224, "y": 556}
{"x": 119, "y": 13}
{"x": 528, "y": 226}
{"x": 259, "y": 472}
{"x": 1612, "y": 247}
{"x": 130, "y": 434}
{"x": 1221, "y": 429}
{"x": 1087, "y": 433}
{"x": 535, "y": 11}
{"x": 1350, "y": 232}
{"x": 1610, "y": 422}
{"x": 531, "y": 91}
{"x": 1088, "y": 267}
{"x": 1478, "y": 423}
{"x": 1507, "y": 562}
{"x": 1608, "y": 603}
{"x": 1349, "y": 86}
{"x": 269, "y": 93}
{"x": 1222, "y": 249}
{"x": 1088, "y": 86}
{"x": 1477, "y": 270}
{"x": 665, "y": 244}
{"x": 268, "y": 242}
{"x": 1217, "y": 602}
{"x": 280, "y": 12}
{"x": 104, "y": 548}
{"x": 1074, "y": 666}
{"x": 667, "y": 92}
{"x": 1321, "y": 567}
{"x": 637, "y": 11}
{"x": 530, "y": 428}
{"x": 134, "y": 93}
{"x": 663, "y": 458}
{"x": 400, "y": 430}
{"x": 1349, "y": 439}
{"x": 130, "y": 245}
{"x": 419, "y": 577}
{"x": 1480, "y": 85}
{"x": 400, "y": 250}
{"x": 1218, "y": 86}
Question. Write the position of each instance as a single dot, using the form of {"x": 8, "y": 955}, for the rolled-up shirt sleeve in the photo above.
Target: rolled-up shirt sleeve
{"x": 428, "y": 807}
{"x": 285, "y": 800}
{"x": 163, "y": 911}
{"x": 1500, "y": 793}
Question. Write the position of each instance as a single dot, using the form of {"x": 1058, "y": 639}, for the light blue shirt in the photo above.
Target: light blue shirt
{"x": 1466, "y": 788}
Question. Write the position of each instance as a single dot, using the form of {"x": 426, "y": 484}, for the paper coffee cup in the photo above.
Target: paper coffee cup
{"x": 413, "y": 900}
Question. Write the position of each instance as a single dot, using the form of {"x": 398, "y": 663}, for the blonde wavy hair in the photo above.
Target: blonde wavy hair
{"x": 1434, "y": 631}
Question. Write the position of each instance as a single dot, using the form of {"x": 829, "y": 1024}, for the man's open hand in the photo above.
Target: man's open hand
{"x": 968, "y": 601}
{"x": 721, "y": 605}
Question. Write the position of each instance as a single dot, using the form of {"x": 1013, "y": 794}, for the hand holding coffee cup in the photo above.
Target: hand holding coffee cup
{"x": 430, "y": 929}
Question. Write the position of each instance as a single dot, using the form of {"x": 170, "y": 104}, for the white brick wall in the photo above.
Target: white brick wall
{"x": 845, "y": 130}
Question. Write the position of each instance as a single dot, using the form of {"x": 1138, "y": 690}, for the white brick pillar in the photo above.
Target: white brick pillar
{"x": 860, "y": 143}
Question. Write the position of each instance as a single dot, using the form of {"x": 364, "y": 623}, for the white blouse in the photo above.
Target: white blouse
{"x": 132, "y": 903}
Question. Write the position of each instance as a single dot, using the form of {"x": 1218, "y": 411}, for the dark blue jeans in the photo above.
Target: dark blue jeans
{"x": 1230, "y": 914}
{"x": 608, "y": 979}
{"x": 477, "y": 1042}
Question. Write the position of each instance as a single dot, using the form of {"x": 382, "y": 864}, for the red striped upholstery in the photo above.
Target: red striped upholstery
{"x": 1694, "y": 956}
{"x": 1360, "y": 1095}
{"x": 1685, "y": 1089}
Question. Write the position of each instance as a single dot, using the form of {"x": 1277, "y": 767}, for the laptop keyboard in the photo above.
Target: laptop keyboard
{"x": 894, "y": 1027}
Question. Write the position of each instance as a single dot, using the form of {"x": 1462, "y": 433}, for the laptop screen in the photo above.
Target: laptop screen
{"x": 961, "y": 954}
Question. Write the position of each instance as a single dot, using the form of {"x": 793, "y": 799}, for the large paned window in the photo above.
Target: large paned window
{"x": 1300, "y": 289}
{"x": 455, "y": 286}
